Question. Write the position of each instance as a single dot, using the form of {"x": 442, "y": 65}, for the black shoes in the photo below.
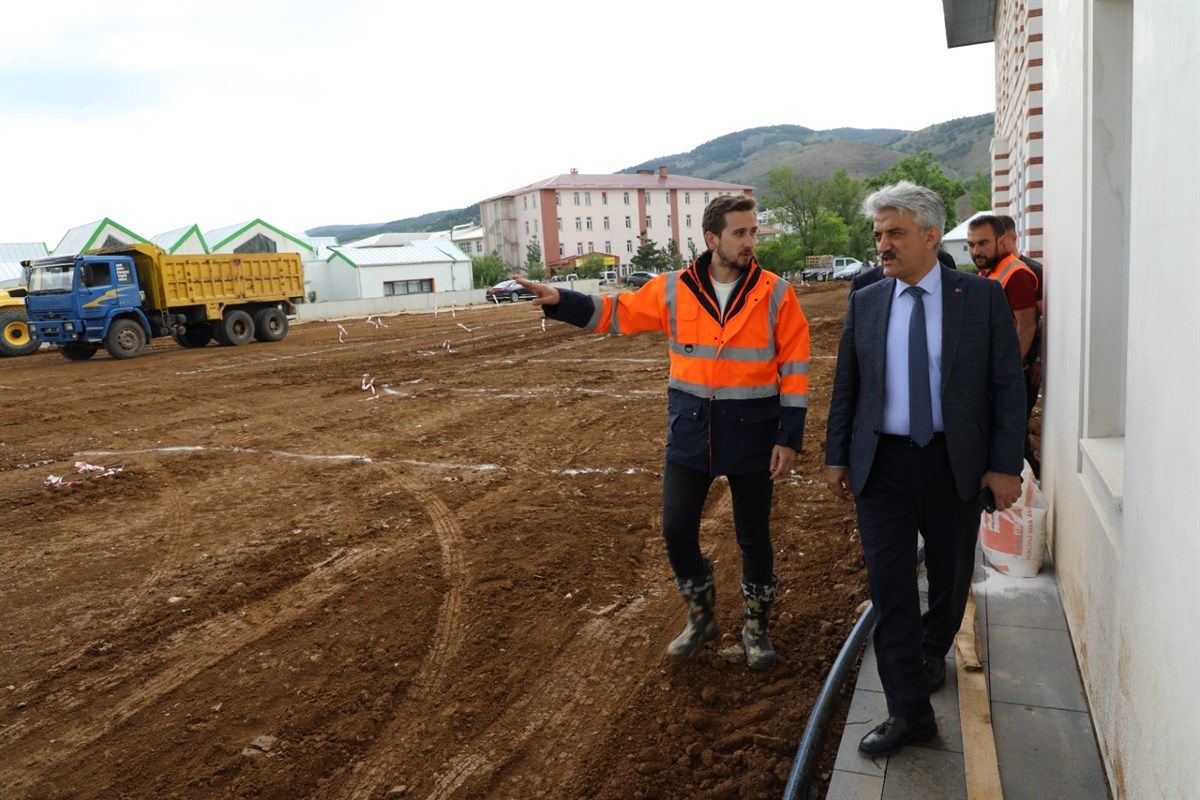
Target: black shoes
{"x": 935, "y": 672}
{"x": 893, "y": 734}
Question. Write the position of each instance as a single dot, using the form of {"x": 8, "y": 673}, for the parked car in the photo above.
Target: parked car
{"x": 811, "y": 274}
{"x": 848, "y": 271}
{"x": 638, "y": 278}
{"x": 608, "y": 277}
{"x": 508, "y": 290}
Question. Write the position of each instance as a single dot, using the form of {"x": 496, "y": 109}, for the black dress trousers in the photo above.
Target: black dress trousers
{"x": 912, "y": 489}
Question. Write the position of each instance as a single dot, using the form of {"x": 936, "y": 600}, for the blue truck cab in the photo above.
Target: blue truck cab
{"x": 80, "y": 303}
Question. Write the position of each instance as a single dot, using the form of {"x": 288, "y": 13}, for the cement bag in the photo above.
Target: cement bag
{"x": 1014, "y": 540}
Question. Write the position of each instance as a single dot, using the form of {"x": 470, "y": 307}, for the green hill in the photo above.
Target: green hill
{"x": 960, "y": 146}
{"x": 433, "y": 221}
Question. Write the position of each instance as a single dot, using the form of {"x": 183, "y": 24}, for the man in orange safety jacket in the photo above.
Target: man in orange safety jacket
{"x": 736, "y": 402}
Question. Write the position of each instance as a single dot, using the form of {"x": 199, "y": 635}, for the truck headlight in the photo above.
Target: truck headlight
{"x": 69, "y": 327}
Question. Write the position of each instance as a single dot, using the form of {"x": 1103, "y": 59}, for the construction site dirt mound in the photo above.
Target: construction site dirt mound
{"x": 417, "y": 559}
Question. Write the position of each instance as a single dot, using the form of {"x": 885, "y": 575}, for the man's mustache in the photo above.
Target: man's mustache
{"x": 889, "y": 254}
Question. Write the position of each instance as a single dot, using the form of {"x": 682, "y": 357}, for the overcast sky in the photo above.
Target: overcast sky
{"x": 164, "y": 114}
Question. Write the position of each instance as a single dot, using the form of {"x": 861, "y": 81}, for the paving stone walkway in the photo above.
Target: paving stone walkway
{"x": 1044, "y": 740}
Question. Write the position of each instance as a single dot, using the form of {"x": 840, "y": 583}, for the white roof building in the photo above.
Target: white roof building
{"x": 954, "y": 241}
{"x": 11, "y": 256}
{"x": 468, "y": 237}
{"x": 391, "y": 239}
{"x": 182, "y": 240}
{"x": 420, "y": 267}
{"x": 101, "y": 233}
{"x": 255, "y": 236}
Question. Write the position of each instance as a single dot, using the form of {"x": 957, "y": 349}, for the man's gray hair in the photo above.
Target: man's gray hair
{"x": 925, "y": 205}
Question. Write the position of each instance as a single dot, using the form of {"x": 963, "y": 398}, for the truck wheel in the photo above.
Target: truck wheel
{"x": 235, "y": 329}
{"x": 196, "y": 334}
{"x": 78, "y": 352}
{"x": 14, "y": 333}
{"x": 125, "y": 339}
{"x": 270, "y": 325}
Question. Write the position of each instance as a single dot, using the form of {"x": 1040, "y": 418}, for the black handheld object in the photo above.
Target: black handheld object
{"x": 986, "y": 499}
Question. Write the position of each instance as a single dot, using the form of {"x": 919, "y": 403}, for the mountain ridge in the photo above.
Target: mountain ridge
{"x": 960, "y": 146}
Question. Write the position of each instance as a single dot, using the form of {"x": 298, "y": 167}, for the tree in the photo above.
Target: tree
{"x": 980, "y": 190}
{"x": 535, "y": 270}
{"x": 671, "y": 256}
{"x": 590, "y": 266}
{"x": 923, "y": 171}
{"x": 843, "y": 195}
{"x": 487, "y": 270}
{"x": 692, "y": 250}
{"x": 827, "y": 235}
{"x": 784, "y": 253}
{"x": 648, "y": 257}
{"x": 794, "y": 200}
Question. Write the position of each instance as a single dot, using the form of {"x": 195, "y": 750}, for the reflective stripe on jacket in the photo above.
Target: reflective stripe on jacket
{"x": 738, "y": 382}
{"x": 1009, "y": 266}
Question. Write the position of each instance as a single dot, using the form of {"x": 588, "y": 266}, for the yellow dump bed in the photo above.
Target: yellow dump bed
{"x": 215, "y": 280}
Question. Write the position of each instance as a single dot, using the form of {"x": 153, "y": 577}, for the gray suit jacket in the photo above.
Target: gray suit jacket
{"x": 983, "y": 392}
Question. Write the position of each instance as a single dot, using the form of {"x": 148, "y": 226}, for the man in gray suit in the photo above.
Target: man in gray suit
{"x": 928, "y": 414}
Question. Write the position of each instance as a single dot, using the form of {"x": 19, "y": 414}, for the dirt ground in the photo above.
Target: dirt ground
{"x": 453, "y": 589}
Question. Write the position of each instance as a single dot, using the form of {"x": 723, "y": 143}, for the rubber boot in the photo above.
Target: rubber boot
{"x": 701, "y": 597}
{"x": 759, "y": 596}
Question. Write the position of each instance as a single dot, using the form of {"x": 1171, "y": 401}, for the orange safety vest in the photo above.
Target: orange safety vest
{"x": 758, "y": 349}
{"x": 1009, "y": 265}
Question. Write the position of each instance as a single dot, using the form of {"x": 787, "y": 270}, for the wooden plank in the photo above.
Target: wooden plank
{"x": 965, "y": 641}
{"x": 974, "y": 707}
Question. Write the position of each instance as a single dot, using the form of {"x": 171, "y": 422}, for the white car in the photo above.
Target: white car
{"x": 848, "y": 271}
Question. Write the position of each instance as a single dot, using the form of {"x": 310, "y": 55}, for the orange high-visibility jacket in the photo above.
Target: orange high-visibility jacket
{"x": 1009, "y": 266}
{"x": 738, "y": 382}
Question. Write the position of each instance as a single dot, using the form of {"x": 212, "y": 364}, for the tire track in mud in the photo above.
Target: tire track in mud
{"x": 584, "y": 675}
{"x": 447, "y": 639}
{"x": 190, "y": 651}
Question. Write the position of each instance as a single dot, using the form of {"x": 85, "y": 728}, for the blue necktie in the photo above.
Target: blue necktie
{"x": 920, "y": 401}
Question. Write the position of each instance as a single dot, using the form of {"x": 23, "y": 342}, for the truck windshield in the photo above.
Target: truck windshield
{"x": 51, "y": 279}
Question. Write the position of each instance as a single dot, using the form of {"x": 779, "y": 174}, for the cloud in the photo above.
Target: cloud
{"x": 74, "y": 91}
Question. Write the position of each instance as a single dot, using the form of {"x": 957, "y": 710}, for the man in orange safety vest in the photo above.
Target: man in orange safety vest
{"x": 736, "y": 403}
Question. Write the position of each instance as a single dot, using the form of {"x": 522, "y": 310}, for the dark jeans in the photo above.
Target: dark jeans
{"x": 911, "y": 489}
{"x": 684, "y": 491}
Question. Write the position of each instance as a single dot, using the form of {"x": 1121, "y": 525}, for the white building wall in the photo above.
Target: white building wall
{"x": 622, "y": 239}
{"x": 317, "y": 278}
{"x": 1121, "y": 442}
{"x": 446, "y": 278}
{"x": 342, "y": 280}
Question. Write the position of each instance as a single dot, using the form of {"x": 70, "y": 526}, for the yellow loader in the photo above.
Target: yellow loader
{"x": 14, "y": 324}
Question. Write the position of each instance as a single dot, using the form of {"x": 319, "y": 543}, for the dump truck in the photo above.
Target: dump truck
{"x": 14, "y": 324}
{"x": 120, "y": 298}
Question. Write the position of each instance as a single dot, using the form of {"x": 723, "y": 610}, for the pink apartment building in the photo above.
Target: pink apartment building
{"x": 573, "y": 214}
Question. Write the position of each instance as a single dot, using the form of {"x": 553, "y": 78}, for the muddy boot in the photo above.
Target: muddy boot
{"x": 759, "y": 596}
{"x": 701, "y": 597}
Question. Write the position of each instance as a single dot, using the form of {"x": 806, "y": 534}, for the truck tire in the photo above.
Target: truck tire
{"x": 270, "y": 325}
{"x": 125, "y": 339}
{"x": 80, "y": 351}
{"x": 14, "y": 333}
{"x": 235, "y": 329}
{"x": 196, "y": 334}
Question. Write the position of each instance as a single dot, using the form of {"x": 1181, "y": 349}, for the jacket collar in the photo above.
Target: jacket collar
{"x": 698, "y": 279}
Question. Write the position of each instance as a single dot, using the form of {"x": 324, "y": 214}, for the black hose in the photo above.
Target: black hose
{"x": 810, "y": 744}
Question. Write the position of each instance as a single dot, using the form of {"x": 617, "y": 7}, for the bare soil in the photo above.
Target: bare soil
{"x": 456, "y": 588}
